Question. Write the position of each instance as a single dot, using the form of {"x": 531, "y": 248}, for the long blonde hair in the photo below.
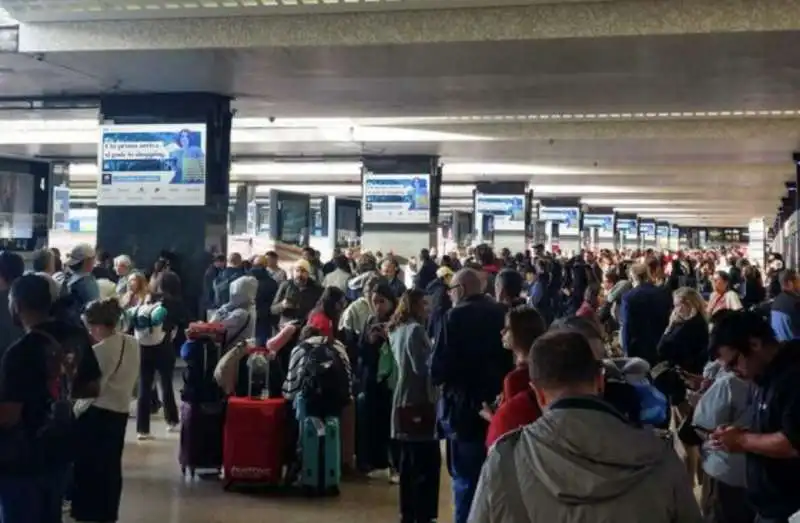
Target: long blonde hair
{"x": 692, "y": 300}
{"x": 127, "y": 299}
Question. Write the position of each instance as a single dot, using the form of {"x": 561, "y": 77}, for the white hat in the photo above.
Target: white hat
{"x": 79, "y": 254}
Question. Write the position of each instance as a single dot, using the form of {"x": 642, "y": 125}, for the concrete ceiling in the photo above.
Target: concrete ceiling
{"x": 706, "y": 122}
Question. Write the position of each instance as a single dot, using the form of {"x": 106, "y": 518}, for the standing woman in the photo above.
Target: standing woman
{"x": 414, "y": 411}
{"x": 136, "y": 291}
{"x": 374, "y": 387}
{"x": 101, "y": 421}
{"x": 723, "y": 297}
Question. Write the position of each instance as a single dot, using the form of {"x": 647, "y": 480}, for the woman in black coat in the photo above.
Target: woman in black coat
{"x": 685, "y": 342}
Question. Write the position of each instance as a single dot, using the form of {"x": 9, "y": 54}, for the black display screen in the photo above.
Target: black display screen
{"x": 24, "y": 201}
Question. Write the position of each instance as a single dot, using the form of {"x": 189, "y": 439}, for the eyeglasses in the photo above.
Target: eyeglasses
{"x": 453, "y": 286}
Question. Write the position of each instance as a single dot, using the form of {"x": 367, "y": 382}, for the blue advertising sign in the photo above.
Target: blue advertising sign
{"x": 662, "y": 232}
{"x": 647, "y": 231}
{"x": 626, "y": 225}
{"x": 396, "y": 198}
{"x": 566, "y": 217}
{"x": 152, "y": 165}
{"x": 60, "y": 208}
{"x": 508, "y": 210}
{"x": 603, "y": 222}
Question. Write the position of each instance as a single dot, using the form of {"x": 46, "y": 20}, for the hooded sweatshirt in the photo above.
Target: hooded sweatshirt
{"x": 581, "y": 462}
{"x": 239, "y": 313}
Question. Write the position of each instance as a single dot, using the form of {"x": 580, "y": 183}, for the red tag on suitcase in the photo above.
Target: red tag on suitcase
{"x": 201, "y": 329}
{"x": 255, "y": 440}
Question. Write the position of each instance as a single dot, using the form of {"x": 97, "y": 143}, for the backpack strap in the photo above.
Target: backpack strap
{"x": 65, "y": 382}
{"x": 243, "y": 328}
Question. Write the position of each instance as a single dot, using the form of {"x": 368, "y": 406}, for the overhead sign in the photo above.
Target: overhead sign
{"x": 604, "y": 223}
{"x": 508, "y": 210}
{"x": 149, "y": 165}
{"x": 647, "y": 231}
{"x": 396, "y": 198}
{"x": 566, "y": 217}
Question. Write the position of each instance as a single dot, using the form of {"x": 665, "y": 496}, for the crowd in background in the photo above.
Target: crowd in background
{"x": 556, "y": 382}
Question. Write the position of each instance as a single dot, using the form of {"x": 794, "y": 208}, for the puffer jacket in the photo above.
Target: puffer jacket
{"x": 580, "y": 461}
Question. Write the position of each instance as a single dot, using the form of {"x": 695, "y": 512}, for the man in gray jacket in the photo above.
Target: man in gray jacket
{"x": 580, "y": 461}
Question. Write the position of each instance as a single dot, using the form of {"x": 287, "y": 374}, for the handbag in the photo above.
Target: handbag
{"x": 416, "y": 421}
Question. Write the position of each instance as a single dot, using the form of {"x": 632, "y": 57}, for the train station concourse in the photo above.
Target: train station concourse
{"x": 614, "y": 124}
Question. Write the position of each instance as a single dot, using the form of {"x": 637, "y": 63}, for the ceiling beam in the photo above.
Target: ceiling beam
{"x": 528, "y": 22}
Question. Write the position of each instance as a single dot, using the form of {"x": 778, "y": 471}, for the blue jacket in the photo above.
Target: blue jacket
{"x": 785, "y": 316}
{"x": 644, "y": 316}
{"x": 469, "y": 363}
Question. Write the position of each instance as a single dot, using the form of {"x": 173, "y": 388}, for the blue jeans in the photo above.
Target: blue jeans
{"x": 34, "y": 498}
{"x": 464, "y": 463}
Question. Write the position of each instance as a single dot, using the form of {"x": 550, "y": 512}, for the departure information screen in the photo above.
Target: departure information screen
{"x": 396, "y": 198}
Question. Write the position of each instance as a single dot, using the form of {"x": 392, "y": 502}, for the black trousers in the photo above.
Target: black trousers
{"x": 420, "y": 468}
{"x": 97, "y": 471}
{"x": 156, "y": 359}
{"x": 723, "y": 503}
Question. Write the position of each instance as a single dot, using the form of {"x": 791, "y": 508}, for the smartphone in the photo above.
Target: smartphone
{"x": 702, "y": 431}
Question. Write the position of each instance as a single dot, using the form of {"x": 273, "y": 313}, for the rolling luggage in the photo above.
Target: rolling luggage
{"x": 202, "y": 351}
{"x": 254, "y": 438}
{"x": 201, "y": 437}
{"x": 321, "y": 455}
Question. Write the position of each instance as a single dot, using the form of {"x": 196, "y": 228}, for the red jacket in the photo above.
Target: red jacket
{"x": 521, "y": 410}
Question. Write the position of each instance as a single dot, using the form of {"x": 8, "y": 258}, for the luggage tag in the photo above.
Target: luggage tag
{"x": 319, "y": 426}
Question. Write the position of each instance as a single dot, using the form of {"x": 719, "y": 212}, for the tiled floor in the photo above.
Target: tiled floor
{"x": 154, "y": 491}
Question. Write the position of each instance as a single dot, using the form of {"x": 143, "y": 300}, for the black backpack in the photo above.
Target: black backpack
{"x": 325, "y": 387}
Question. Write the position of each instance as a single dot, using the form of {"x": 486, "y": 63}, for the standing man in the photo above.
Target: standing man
{"x": 468, "y": 363}
{"x": 745, "y": 344}
{"x": 123, "y": 266}
{"x": 785, "y": 312}
{"x": 11, "y": 268}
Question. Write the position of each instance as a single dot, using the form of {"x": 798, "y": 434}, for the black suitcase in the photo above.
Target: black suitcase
{"x": 201, "y": 437}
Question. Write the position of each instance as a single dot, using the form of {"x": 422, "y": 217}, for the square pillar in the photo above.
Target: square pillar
{"x": 164, "y": 180}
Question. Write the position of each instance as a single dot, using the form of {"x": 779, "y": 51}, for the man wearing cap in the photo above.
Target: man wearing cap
{"x": 296, "y": 297}
{"x": 11, "y": 268}
{"x": 77, "y": 280}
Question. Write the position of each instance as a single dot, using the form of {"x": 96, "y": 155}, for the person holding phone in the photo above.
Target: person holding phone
{"x": 374, "y": 387}
{"x": 727, "y": 401}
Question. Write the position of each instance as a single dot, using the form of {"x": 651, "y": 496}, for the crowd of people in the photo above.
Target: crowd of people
{"x": 558, "y": 384}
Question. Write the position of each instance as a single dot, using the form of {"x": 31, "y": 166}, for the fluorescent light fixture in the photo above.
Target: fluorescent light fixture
{"x": 616, "y": 202}
{"x": 450, "y": 193}
{"x": 63, "y": 132}
{"x": 572, "y": 189}
{"x": 505, "y": 169}
{"x": 296, "y": 168}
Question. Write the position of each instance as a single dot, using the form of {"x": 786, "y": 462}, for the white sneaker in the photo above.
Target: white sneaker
{"x": 144, "y": 437}
{"x": 394, "y": 478}
{"x": 66, "y": 506}
{"x": 383, "y": 474}
{"x": 172, "y": 429}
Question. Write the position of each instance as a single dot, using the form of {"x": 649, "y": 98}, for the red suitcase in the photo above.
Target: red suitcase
{"x": 254, "y": 441}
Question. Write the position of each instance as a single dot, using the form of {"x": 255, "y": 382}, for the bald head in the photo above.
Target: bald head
{"x": 468, "y": 282}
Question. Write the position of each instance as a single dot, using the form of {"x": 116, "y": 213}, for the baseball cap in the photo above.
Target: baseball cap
{"x": 12, "y": 266}
{"x": 304, "y": 265}
{"x": 443, "y": 272}
{"x": 80, "y": 253}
